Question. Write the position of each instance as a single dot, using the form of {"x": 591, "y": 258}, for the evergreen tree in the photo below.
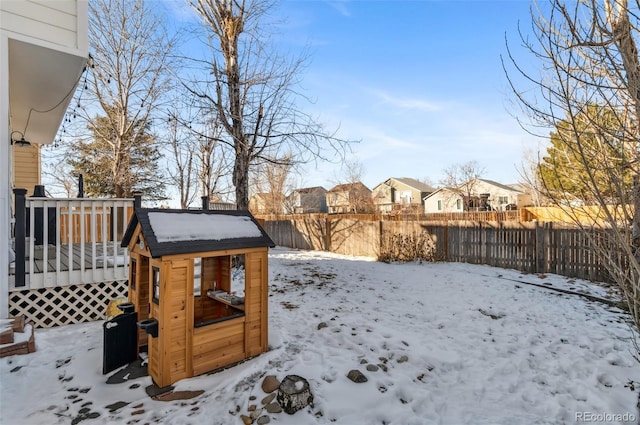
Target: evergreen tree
{"x": 118, "y": 169}
{"x": 582, "y": 171}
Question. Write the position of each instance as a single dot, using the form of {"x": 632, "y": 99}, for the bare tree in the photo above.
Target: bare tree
{"x": 183, "y": 169}
{"x": 350, "y": 195}
{"x": 589, "y": 56}
{"x": 530, "y": 177}
{"x": 213, "y": 164}
{"x": 130, "y": 59}
{"x": 271, "y": 179}
{"x": 251, "y": 91}
{"x": 59, "y": 177}
{"x": 462, "y": 180}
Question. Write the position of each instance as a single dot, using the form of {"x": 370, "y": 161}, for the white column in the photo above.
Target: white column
{"x": 5, "y": 180}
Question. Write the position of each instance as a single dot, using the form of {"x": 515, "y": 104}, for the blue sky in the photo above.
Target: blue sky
{"x": 419, "y": 83}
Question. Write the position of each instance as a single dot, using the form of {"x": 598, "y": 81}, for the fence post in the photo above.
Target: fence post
{"x": 540, "y": 240}
{"x": 20, "y": 233}
{"x": 445, "y": 241}
{"x": 205, "y": 203}
{"x": 328, "y": 235}
{"x": 380, "y": 236}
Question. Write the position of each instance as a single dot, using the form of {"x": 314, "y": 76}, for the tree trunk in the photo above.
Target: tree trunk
{"x": 241, "y": 182}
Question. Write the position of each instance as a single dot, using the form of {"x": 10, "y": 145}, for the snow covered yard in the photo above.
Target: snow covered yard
{"x": 452, "y": 344}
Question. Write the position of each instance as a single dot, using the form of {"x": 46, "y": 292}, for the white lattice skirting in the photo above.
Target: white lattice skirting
{"x": 64, "y": 305}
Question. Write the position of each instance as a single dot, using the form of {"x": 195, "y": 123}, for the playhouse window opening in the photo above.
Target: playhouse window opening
{"x": 133, "y": 276}
{"x": 155, "y": 276}
{"x": 216, "y": 281}
{"x": 197, "y": 277}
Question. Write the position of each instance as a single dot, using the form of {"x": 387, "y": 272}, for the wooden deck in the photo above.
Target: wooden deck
{"x": 77, "y": 258}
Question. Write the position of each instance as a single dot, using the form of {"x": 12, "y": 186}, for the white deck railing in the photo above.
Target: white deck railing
{"x": 82, "y": 247}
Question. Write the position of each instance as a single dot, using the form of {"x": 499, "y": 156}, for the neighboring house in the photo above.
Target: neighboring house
{"x": 349, "y": 198}
{"x": 476, "y": 195}
{"x": 43, "y": 49}
{"x": 267, "y": 203}
{"x": 308, "y": 200}
{"x": 397, "y": 193}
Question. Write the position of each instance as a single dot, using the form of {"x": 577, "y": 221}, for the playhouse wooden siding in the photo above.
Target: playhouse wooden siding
{"x": 256, "y": 303}
{"x": 26, "y": 169}
{"x": 211, "y": 346}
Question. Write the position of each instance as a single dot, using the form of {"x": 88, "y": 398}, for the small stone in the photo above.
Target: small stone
{"x": 372, "y": 368}
{"x": 246, "y": 420}
{"x": 383, "y": 359}
{"x": 273, "y": 407}
{"x": 263, "y": 420}
{"x": 403, "y": 359}
{"x": 252, "y": 408}
{"x": 252, "y": 398}
{"x": 255, "y": 414}
{"x": 322, "y": 325}
{"x": 268, "y": 399}
{"x": 363, "y": 361}
{"x": 270, "y": 384}
{"x": 357, "y": 376}
{"x": 383, "y": 367}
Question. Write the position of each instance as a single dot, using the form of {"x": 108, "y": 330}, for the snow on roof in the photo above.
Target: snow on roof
{"x": 192, "y": 227}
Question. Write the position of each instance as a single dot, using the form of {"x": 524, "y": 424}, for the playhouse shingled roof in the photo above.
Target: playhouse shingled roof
{"x": 169, "y": 231}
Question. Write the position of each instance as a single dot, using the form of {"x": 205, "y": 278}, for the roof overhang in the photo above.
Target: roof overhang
{"x": 42, "y": 82}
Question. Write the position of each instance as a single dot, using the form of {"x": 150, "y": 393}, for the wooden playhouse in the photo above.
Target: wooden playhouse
{"x": 196, "y": 312}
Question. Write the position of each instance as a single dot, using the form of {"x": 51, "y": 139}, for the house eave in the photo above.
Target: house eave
{"x": 42, "y": 82}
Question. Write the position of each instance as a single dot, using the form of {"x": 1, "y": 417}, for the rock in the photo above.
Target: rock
{"x": 322, "y": 325}
{"x": 273, "y": 407}
{"x": 357, "y": 376}
{"x": 383, "y": 367}
{"x": 270, "y": 384}
{"x": 252, "y": 408}
{"x": 255, "y": 414}
{"x": 372, "y": 368}
{"x": 268, "y": 399}
{"x": 263, "y": 420}
{"x": 294, "y": 394}
{"x": 363, "y": 361}
{"x": 246, "y": 420}
{"x": 178, "y": 395}
{"x": 403, "y": 359}
{"x": 115, "y": 406}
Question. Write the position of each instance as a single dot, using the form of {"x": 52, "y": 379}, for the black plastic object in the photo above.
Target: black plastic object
{"x": 127, "y": 307}
{"x": 120, "y": 343}
{"x": 150, "y": 326}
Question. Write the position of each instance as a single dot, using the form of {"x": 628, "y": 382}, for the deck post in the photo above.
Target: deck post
{"x": 137, "y": 199}
{"x": 205, "y": 203}
{"x": 20, "y": 234}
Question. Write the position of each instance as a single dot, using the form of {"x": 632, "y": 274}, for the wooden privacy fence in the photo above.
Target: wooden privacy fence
{"x": 95, "y": 218}
{"x": 530, "y": 247}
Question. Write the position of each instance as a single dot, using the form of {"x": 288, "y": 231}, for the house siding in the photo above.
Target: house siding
{"x": 49, "y": 21}
{"x": 394, "y": 193}
{"x": 27, "y": 167}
